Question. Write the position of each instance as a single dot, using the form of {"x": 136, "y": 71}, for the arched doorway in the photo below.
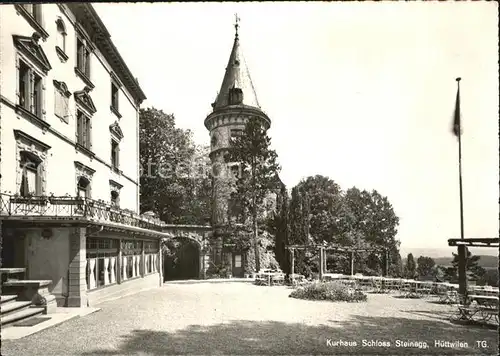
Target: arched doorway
{"x": 181, "y": 259}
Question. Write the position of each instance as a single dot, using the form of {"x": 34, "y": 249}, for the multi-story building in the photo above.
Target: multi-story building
{"x": 69, "y": 159}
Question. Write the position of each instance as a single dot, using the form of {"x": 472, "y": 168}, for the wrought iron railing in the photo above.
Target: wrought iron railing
{"x": 74, "y": 208}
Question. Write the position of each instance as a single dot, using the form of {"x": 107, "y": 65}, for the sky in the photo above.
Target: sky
{"x": 363, "y": 93}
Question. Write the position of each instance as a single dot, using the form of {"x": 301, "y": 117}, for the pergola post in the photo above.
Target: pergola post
{"x": 321, "y": 262}
{"x": 386, "y": 263}
{"x": 462, "y": 270}
{"x": 351, "y": 262}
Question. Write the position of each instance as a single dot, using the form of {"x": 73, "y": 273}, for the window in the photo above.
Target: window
{"x": 30, "y": 89}
{"x": 83, "y": 126}
{"x": 61, "y": 35}
{"x": 34, "y": 10}
{"x": 83, "y": 188}
{"x": 115, "y": 154}
{"x": 30, "y": 176}
{"x": 61, "y": 100}
{"x": 114, "y": 96}
{"x": 24, "y": 85}
{"x": 131, "y": 259}
{"x": 235, "y": 96}
{"x": 115, "y": 198}
{"x": 237, "y": 261}
{"x": 102, "y": 258}
{"x": 83, "y": 57}
{"x": 234, "y": 134}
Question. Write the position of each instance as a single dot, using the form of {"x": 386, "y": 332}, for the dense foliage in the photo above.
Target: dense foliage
{"x": 319, "y": 212}
{"x": 257, "y": 174}
{"x": 175, "y": 180}
{"x": 333, "y": 291}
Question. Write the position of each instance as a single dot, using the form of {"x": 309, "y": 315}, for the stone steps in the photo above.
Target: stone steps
{"x": 7, "y": 298}
{"x": 19, "y": 315}
{"x": 12, "y": 310}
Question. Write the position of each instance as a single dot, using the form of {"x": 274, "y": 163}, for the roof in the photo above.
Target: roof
{"x": 87, "y": 16}
{"x": 237, "y": 76}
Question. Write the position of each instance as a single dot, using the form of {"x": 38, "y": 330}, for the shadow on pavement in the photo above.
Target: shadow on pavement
{"x": 265, "y": 338}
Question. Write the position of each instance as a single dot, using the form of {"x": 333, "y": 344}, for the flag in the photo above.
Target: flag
{"x": 457, "y": 130}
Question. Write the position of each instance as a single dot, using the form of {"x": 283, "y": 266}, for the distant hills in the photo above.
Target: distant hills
{"x": 445, "y": 252}
{"x": 485, "y": 261}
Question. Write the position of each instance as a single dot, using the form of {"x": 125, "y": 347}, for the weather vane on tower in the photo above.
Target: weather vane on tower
{"x": 236, "y": 23}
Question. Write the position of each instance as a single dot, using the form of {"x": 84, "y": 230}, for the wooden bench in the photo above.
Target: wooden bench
{"x": 36, "y": 291}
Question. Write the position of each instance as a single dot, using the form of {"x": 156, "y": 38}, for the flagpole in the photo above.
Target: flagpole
{"x": 462, "y": 249}
{"x": 460, "y": 170}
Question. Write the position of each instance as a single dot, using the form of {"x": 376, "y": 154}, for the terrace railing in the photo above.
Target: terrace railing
{"x": 73, "y": 208}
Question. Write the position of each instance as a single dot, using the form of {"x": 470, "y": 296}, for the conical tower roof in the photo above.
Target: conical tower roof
{"x": 236, "y": 76}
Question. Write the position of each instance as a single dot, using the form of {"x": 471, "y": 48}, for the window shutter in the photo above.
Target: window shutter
{"x": 89, "y": 133}
{"x": 38, "y": 183}
{"x": 31, "y": 91}
{"x": 78, "y": 128}
{"x": 118, "y": 155}
{"x": 65, "y": 111}
{"x": 18, "y": 78}
{"x": 42, "y": 99}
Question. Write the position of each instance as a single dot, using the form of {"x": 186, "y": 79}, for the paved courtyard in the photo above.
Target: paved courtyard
{"x": 240, "y": 318}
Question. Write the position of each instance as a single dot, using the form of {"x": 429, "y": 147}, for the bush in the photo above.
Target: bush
{"x": 333, "y": 291}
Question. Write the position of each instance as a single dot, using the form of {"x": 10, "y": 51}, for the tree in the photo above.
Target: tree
{"x": 370, "y": 222}
{"x": 258, "y": 171}
{"x": 279, "y": 227}
{"x": 472, "y": 267}
{"x": 410, "y": 268}
{"x": 174, "y": 178}
{"x": 326, "y": 208}
{"x": 425, "y": 266}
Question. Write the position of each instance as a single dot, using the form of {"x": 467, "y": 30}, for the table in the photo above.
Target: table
{"x": 481, "y": 308}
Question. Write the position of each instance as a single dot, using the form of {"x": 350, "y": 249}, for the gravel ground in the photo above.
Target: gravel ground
{"x": 243, "y": 319}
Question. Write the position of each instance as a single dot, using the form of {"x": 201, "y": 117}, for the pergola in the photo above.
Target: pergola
{"x": 462, "y": 245}
{"x": 337, "y": 248}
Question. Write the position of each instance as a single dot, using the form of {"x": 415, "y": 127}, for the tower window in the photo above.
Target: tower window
{"x": 235, "y": 96}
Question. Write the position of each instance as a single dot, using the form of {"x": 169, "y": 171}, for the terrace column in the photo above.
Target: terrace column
{"x": 77, "y": 287}
{"x": 119, "y": 263}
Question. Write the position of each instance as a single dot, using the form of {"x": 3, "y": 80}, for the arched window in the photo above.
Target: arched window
{"x": 61, "y": 35}
{"x": 83, "y": 187}
{"x": 30, "y": 165}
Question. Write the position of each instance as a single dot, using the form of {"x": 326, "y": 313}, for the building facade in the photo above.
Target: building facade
{"x": 69, "y": 158}
{"x": 236, "y": 103}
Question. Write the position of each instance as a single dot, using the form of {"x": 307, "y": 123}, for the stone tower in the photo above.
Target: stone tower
{"x": 235, "y": 104}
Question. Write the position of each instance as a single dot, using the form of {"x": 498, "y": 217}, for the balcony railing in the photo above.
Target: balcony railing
{"x": 73, "y": 208}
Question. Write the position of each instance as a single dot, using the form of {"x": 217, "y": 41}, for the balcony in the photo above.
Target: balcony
{"x": 73, "y": 209}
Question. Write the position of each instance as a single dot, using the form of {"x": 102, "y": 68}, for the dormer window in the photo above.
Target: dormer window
{"x": 235, "y": 96}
